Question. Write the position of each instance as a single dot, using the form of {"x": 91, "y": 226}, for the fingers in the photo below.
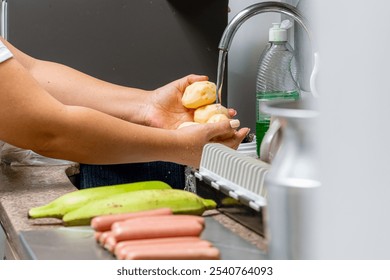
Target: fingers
{"x": 220, "y": 130}
{"x": 239, "y": 136}
{"x": 201, "y": 134}
{"x": 225, "y": 133}
{"x": 227, "y": 129}
{"x": 232, "y": 112}
{"x": 184, "y": 82}
{"x": 196, "y": 78}
{"x": 234, "y": 141}
{"x": 234, "y": 123}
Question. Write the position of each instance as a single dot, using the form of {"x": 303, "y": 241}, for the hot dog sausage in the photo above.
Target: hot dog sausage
{"x": 110, "y": 243}
{"x": 103, "y": 237}
{"x": 103, "y": 223}
{"x": 175, "y": 253}
{"x": 157, "y": 230}
{"x": 154, "y": 241}
{"x": 97, "y": 235}
{"x": 187, "y": 245}
{"x": 158, "y": 219}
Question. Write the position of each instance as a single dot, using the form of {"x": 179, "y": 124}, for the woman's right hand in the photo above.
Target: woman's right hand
{"x": 193, "y": 138}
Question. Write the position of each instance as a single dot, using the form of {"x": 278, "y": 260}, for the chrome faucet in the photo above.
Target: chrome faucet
{"x": 241, "y": 17}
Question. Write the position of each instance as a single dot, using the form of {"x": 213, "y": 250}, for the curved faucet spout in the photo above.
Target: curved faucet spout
{"x": 240, "y": 18}
{"x": 264, "y": 7}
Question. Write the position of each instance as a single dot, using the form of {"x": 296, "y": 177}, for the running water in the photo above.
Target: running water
{"x": 220, "y": 74}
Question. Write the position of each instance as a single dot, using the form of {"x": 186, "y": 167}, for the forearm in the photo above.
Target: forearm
{"x": 100, "y": 139}
{"x": 71, "y": 87}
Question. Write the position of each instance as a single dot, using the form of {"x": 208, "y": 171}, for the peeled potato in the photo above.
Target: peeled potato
{"x": 217, "y": 118}
{"x": 203, "y": 114}
{"x": 199, "y": 94}
{"x": 184, "y": 124}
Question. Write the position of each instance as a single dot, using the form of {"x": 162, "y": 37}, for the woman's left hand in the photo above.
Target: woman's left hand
{"x": 166, "y": 109}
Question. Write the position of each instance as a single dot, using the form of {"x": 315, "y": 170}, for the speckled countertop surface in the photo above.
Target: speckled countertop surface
{"x": 24, "y": 187}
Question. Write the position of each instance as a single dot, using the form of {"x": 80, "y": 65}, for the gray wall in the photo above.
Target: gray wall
{"x": 131, "y": 42}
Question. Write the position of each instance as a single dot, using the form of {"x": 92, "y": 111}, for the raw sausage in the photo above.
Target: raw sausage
{"x": 154, "y": 241}
{"x": 124, "y": 251}
{"x": 210, "y": 253}
{"x": 157, "y": 230}
{"x": 103, "y": 237}
{"x": 141, "y": 221}
{"x": 110, "y": 243}
{"x": 97, "y": 235}
{"x": 104, "y": 222}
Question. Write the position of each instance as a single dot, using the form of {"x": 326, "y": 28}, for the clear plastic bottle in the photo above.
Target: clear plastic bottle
{"x": 276, "y": 76}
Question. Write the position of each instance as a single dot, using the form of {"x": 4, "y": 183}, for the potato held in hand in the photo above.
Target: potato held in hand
{"x": 199, "y": 94}
{"x": 203, "y": 114}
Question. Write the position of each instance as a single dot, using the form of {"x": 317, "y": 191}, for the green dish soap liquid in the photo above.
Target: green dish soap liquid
{"x": 263, "y": 120}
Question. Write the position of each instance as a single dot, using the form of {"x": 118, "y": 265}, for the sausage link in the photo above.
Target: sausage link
{"x": 141, "y": 221}
{"x": 104, "y": 222}
{"x": 210, "y": 253}
{"x": 154, "y": 241}
{"x": 158, "y": 230}
{"x": 125, "y": 250}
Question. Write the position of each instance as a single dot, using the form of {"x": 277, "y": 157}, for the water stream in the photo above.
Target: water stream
{"x": 220, "y": 74}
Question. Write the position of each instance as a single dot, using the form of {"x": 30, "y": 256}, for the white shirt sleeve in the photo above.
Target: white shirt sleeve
{"x": 4, "y": 52}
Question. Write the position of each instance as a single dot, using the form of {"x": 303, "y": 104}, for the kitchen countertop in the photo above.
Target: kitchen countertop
{"x": 24, "y": 187}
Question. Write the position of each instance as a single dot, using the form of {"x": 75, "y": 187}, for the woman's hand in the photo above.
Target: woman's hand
{"x": 194, "y": 137}
{"x": 166, "y": 109}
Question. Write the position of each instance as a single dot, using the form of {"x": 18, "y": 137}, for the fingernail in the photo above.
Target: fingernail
{"x": 234, "y": 123}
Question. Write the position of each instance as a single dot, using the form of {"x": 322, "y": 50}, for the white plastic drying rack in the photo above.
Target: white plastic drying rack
{"x": 235, "y": 174}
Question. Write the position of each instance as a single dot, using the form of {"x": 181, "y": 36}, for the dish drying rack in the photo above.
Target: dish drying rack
{"x": 235, "y": 174}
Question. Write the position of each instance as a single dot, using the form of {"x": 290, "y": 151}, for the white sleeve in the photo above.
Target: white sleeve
{"x": 4, "y": 52}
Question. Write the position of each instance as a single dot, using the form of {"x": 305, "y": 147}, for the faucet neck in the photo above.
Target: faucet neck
{"x": 258, "y": 8}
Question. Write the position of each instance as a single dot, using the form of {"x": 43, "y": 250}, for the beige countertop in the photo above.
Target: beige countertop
{"x": 24, "y": 187}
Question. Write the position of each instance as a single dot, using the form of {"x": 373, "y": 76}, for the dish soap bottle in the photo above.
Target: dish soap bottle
{"x": 276, "y": 76}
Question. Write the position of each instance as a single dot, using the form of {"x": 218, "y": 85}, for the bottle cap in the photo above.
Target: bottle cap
{"x": 278, "y": 32}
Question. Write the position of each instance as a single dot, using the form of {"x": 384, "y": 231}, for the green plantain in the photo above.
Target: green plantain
{"x": 180, "y": 201}
{"x": 73, "y": 200}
